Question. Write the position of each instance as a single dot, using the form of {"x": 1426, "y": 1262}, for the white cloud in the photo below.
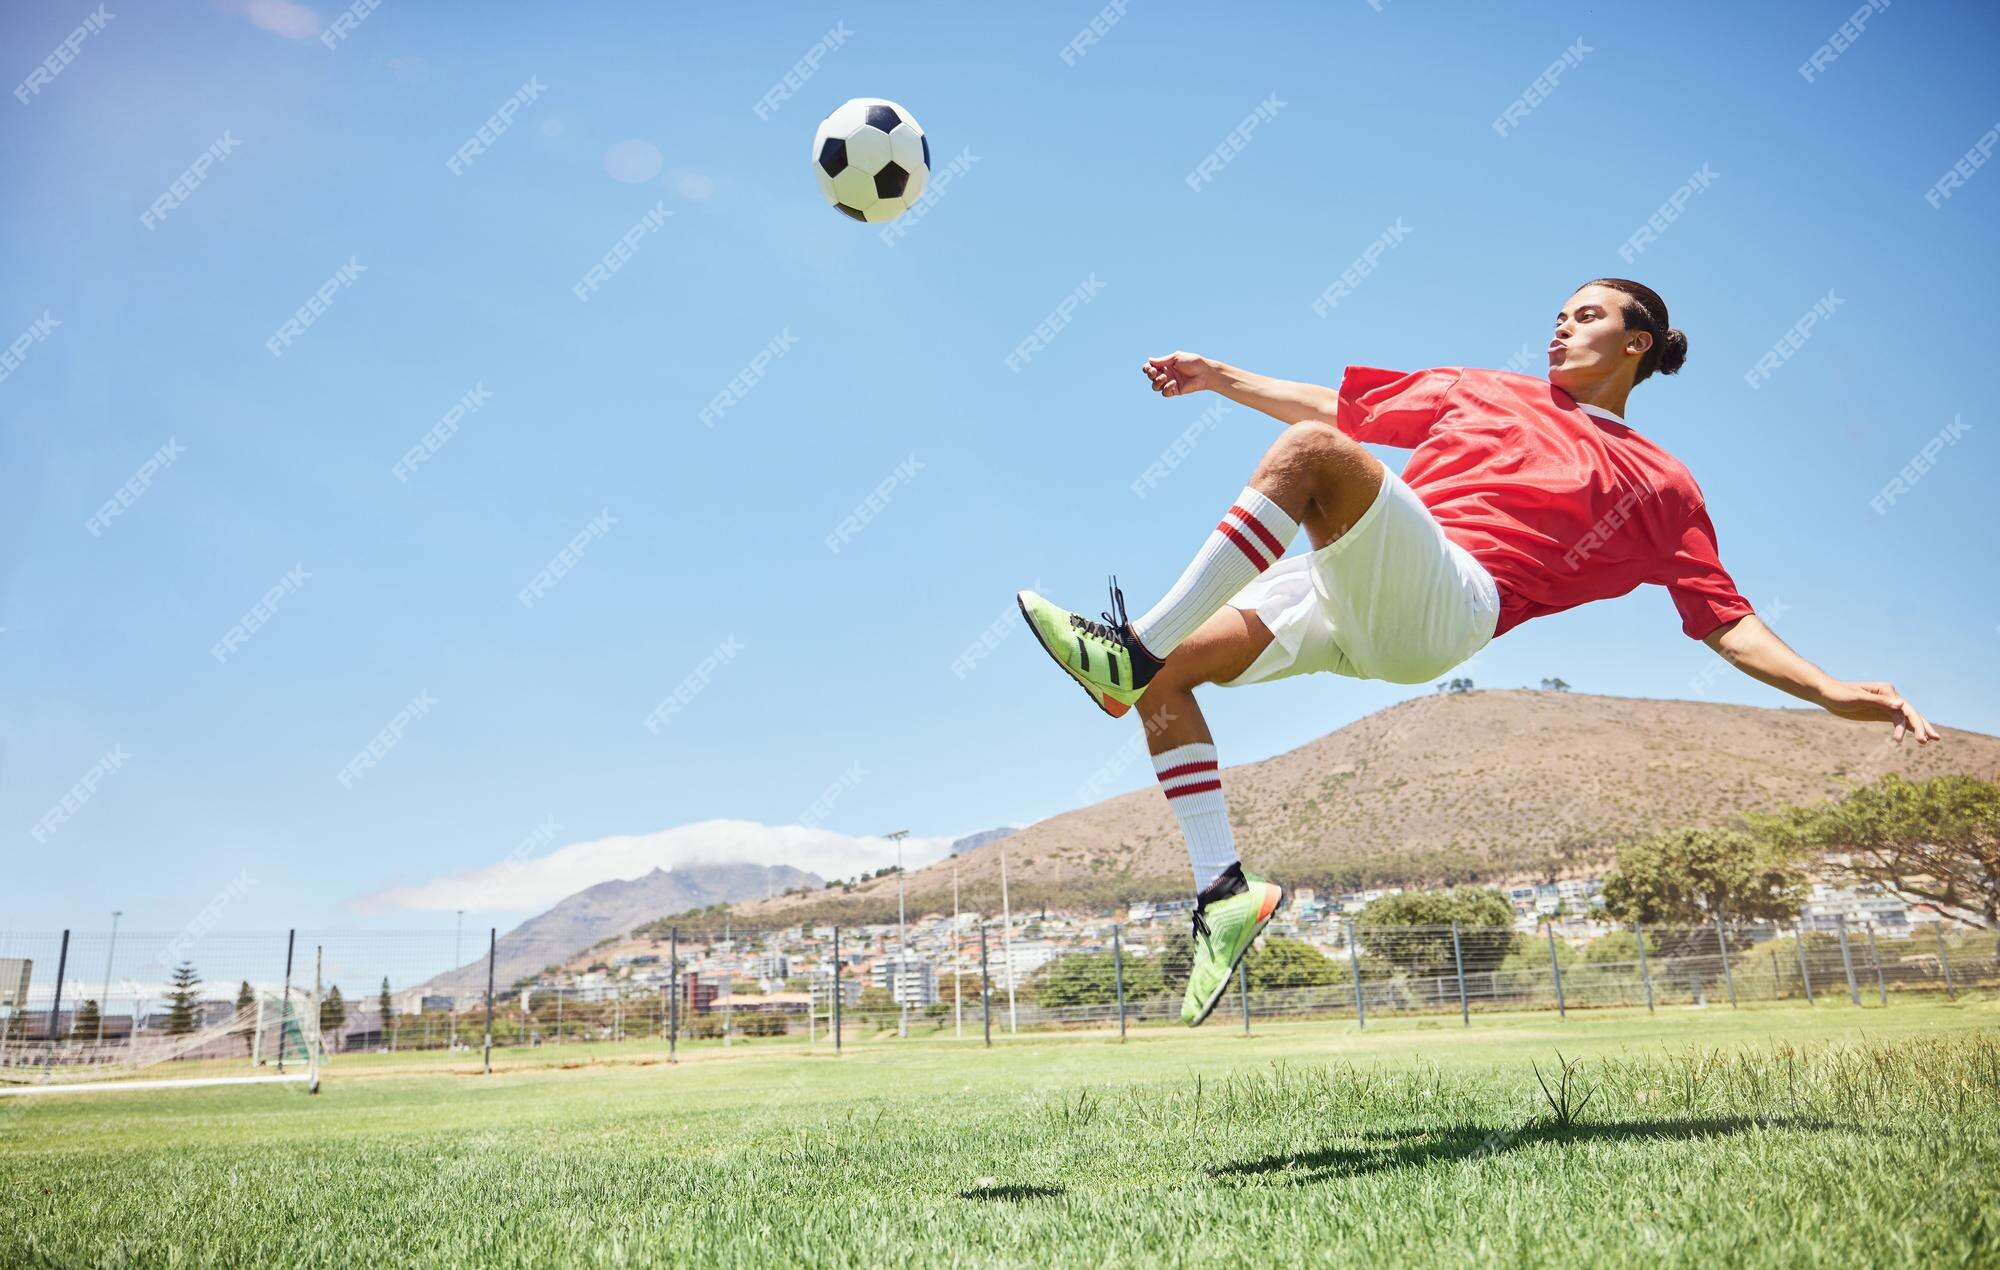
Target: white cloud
{"x": 282, "y": 17}
{"x": 536, "y": 880}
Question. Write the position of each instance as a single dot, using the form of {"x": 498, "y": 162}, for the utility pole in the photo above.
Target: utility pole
{"x": 104, "y": 1002}
{"x": 902, "y": 938}
{"x": 1007, "y": 942}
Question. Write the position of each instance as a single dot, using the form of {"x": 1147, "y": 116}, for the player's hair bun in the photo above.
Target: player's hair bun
{"x": 1673, "y": 350}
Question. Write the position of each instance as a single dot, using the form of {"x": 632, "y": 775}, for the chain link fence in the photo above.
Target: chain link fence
{"x": 71, "y": 1000}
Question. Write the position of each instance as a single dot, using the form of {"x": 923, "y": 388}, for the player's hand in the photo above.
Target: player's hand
{"x": 1879, "y": 703}
{"x": 1178, "y": 374}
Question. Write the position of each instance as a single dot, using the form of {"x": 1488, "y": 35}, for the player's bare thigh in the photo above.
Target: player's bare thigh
{"x": 1222, "y": 648}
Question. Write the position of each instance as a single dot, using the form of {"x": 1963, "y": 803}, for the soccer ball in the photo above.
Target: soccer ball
{"x": 871, "y": 159}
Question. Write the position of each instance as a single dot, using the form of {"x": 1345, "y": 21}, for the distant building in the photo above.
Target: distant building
{"x": 771, "y": 966}
{"x": 911, "y": 981}
{"x": 821, "y": 986}
{"x": 1864, "y": 906}
{"x": 699, "y": 991}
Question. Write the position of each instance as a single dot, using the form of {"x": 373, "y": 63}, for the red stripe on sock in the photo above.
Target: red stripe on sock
{"x": 1188, "y": 769}
{"x": 1244, "y": 544}
{"x": 1200, "y": 788}
{"x": 1258, "y": 527}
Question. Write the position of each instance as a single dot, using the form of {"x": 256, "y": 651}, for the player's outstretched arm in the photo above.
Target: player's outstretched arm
{"x": 1749, "y": 645}
{"x": 1285, "y": 400}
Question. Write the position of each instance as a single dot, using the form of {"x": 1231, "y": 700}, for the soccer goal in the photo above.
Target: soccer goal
{"x": 272, "y": 1039}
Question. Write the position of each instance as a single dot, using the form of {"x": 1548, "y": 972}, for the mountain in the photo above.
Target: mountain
{"x": 612, "y": 908}
{"x": 1484, "y": 787}
{"x": 974, "y": 841}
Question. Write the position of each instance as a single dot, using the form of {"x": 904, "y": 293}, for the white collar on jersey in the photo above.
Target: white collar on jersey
{"x": 1601, "y": 413}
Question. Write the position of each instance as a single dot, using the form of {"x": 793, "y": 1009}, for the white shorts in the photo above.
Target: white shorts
{"x": 1392, "y": 599}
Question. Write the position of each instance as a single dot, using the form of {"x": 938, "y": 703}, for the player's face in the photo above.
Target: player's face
{"x": 1590, "y": 341}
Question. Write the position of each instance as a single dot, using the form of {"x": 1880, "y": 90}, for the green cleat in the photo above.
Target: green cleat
{"x": 1105, "y": 657}
{"x": 1228, "y": 917}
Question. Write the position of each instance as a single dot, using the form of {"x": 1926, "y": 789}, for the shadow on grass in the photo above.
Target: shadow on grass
{"x": 1011, "y": 1192}
{"x": 1412, "y": 1148}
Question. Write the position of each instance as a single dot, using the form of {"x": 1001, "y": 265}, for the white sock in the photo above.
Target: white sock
{"x": 1192, "y": 782}
{"x": 1253, "y": 533}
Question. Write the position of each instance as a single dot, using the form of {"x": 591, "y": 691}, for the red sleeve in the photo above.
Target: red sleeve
{"x": 1702, "y": 589}
{"x": 1388, "y": 407}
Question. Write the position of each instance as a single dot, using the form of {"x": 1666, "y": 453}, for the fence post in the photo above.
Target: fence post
{"x": 55, "y": 1011}
{"x": 1881, "y": 988}
{"x": 492, "y": 945}
{"x": 1728, "y": 976}
{"x": 1118, "y": 972}
{"x": 1944, "y": 959}
{"x": 284, "y": 1003}
{"x": 1458, "y": 959}
{"x": 1805, "y": 969}
{"x": 674, "y": 1001}
{"x": 985, "y": 989}
{"x": 1555, "y": 971}
{"x": 1645, "y": 975}
{"x": 1354, "y": 960}
{"x": 1243, "y": 990}
{"x": 1847, "y": 958}
{"x": 836, "y": 989}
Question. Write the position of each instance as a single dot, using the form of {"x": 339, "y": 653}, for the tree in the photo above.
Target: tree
{"x": 1934, "y": 841}
{"x": 1091, "y": 979}
{"x": 87, "y": 1019}
{"x": 387, "y": 1008}
{"x": 1691, "y": 876}
{"x": 181, "y": 1014}
{"x": 1277, "y": 962}
{"x": 246, "y": 1007}
{"x": 1485, "y": 920}
{"x": 332, "y": 1012}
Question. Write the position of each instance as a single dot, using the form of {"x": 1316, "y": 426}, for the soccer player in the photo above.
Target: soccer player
{"x": 1522, "y": 497}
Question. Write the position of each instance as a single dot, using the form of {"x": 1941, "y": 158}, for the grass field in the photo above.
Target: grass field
{"x": 1776, "y": 1136}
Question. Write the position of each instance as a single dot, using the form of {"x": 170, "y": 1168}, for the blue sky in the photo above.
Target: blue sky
{"x": 839, "y": 679}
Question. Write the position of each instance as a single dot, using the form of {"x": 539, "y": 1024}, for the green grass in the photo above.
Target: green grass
{"x": 1776, "y": 1136}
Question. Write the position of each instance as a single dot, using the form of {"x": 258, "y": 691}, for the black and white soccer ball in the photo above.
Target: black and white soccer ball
{"x": 871, "y": 159}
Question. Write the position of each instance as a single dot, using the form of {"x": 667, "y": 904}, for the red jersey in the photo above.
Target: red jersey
{"x": 1561, "y": 502}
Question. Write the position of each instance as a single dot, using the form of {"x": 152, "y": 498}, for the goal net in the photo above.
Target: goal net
{"x": 273, "y": 1037}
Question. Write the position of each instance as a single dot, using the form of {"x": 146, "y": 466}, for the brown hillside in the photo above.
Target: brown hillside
{"x": 1466, "y": 787}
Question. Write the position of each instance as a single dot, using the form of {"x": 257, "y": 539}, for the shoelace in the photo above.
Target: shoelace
{"x": 1201, "y": 929}
{"x": 1112, "y": 628}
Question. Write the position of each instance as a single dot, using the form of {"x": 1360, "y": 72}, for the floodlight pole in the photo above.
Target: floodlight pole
{"x": 1007, "y": 943}
{"x": 492, "y": 945}
{"x": 902, "y": 938}
{"x": 106, "y": 997}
